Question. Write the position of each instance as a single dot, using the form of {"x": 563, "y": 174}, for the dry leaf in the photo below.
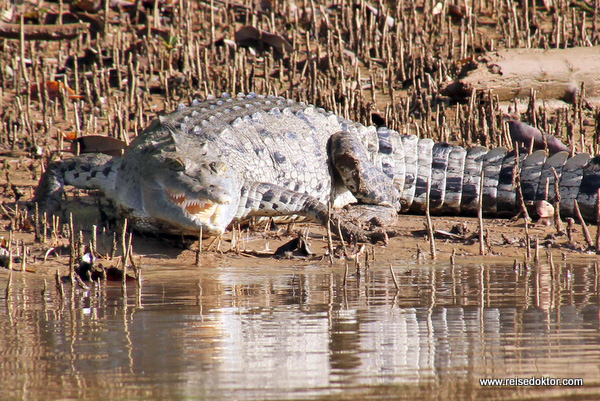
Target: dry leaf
{"x": 388, "y": 20}
{"x": 53, "y": 89}
{"x": 457, "y": 12}
{"x": 249, "y": 36}
{"x": 69, "y": 136}
{"x": 89, "y": 6}
{"x": 98, "y": 144}
{"x": 7, "y": 15}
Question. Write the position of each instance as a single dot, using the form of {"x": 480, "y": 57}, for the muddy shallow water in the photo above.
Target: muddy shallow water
{"x": 295, "y": 331}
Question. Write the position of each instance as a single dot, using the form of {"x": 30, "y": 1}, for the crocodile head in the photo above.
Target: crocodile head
{"x": 190, "y": 194}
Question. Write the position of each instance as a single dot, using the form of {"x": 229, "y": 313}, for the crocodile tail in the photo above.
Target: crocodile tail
{"x": 584, "y": 188}
{"x": 578, "y": 181}
{"x": 456, "y": 174}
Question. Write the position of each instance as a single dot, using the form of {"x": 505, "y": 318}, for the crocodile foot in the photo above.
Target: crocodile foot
{"x": 351, "y": 224}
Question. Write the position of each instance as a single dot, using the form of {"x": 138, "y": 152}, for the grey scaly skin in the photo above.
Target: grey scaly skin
{"x": 228, "y": 159}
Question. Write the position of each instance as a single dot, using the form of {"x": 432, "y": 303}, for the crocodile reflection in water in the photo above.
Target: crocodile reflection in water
{"x": 283, "y": 330}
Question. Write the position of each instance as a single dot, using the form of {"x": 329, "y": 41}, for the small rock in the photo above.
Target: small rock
{"x": 545, "y": 211}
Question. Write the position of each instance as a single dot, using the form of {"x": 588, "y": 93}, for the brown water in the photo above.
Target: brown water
{"x": 296, "y": 332}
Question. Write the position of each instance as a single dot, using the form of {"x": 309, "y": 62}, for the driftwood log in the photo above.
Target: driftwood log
{"x": 512, "y": 73}
{"x": 43, "y": 32}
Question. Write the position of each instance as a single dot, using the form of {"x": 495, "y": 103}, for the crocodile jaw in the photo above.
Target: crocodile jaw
{"x": 184, "y": 195}
{"x": 204, "y": 212}
{"x": 192, "y": 206}
{"x": 186, "y": 214}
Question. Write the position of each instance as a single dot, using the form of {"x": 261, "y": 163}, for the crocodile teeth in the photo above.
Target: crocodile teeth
{"x": 198, "y": 207}
{"x": 192, "y": 206}
{"x": 177, "y": 199}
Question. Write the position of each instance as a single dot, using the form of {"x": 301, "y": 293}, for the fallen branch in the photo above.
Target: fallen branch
{"x": 512, "y": 73}
{"x": 43, "y": 32}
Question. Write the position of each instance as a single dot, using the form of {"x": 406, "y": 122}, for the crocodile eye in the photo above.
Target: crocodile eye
{"x": 217, "y": 167}
{"x": 176, "y": 164}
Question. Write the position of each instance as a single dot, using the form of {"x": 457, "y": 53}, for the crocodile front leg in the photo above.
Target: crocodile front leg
{"x": 264, "y": 199}
{"x": 89, "y": 171}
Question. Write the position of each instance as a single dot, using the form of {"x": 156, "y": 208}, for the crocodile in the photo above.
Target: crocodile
{"x": 231, "y": 158}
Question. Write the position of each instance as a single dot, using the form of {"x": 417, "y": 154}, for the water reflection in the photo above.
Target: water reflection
{"x": 297, "y": 332}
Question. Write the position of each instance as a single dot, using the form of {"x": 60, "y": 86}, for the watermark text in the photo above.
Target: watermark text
{"x": 531, "y": 381}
